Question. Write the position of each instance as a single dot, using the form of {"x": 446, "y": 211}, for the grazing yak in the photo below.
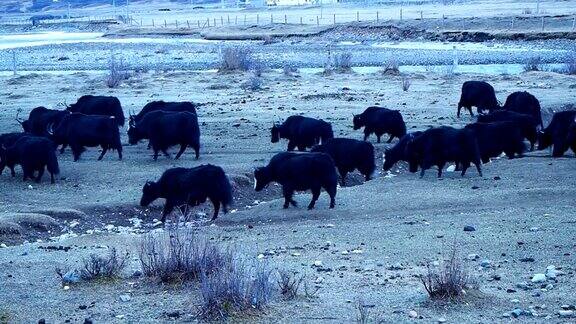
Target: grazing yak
{"x": 349, "y": 155}
{"x": 32, "y": 153}
{"x": 525, "y": 123}
{"x": 8, "y": 140}
{"x": 80, "y": 131}
{"x": 302, "y": 132}
{"x": 437, "y": 146}
{"x": 184, "y": 106}
{"x": 183, "y": 186}
{"x": 571, "y": 138}
{"x": 99, "y": 105}
{"x": 299, "y": 172}
{"x": 498, "y": 137}
{"x": 477, "y": 94}
{"x": 398, "y": 151}
{"x": 380, "y": 121}
{"x": 525, "y": 103}
{"x": 41, "y": 119}
{"x": 166, "y": 129}
{"x": 557, "y": 133}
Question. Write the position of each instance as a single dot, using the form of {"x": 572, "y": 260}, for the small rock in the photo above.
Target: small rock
{"x": 566, "y": 313}
{"x": 568, "y": 307}
{"x": 396, "y": 266}
{"x": 515, "y": 301}
{"x": 261, "y": 256}
{"x": 523, "y": 285}
{"x": 516, "y": 313}
{"x": 506, "y": 315}
{"x": 137, "y": 274}
{"x": 534, "y": 229}
{"x": 357, "y": 251}
{"x": 317, "y": 263}
{"x": 3, "y": 245}
{"x": 345, "y": 252}
{"x": 125, "y": 298}
{"x": 528, "y": 259}
{"x": 319, "y": 280}
{"x": 441, "y": 320}
{"x": 486, "y": 264}
{"x": 469, "y": 228}
{"x": 539, "y": 278}
{"x": 413, "y": 314}
{"x": 66, "y": 287}
{"x": 473, "y": 257}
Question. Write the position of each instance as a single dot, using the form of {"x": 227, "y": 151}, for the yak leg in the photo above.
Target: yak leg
{"x": 470, "y": 110}
{"x": 12, "y": 171}
{"x": 63, "y": 148}
{"x": 288, "y": 193}
{"x": 440, "y": 168}
{"x": 155, "y": 157}
{"x": 366, "y": 134}
{"x": 168, "y": 208}
{"x": 197, "y": 151}
{"x": 331, "y": 190}
{"x": 52, "y": 181}
{"x": 182, "y": 149}
{"x": 40, "y": 174}
{"x": 390, "y": 139}
{"x": 291, "y": 145}
{"x": 216, "y": 204}
{"x": 315, "y": 195}
{"x": 458, "y": 113}
{"x": 104, "y": 150}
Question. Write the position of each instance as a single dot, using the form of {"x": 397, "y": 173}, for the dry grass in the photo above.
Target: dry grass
{"x": 391, "y": 68}
{"x": 117, "y": 73}
{"x": 289, "y": 284}
{"x": 448, "y": 281}
{"x": 406, "y": 83}
{"x": 363, "y": 315}
{"x": 235, "y": 59}
{"x": 103, "y": 267}
{"x": 533, "y": 64}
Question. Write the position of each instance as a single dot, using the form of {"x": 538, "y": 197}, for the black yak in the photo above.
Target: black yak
{"x": 99, "y": 105}
{"x": 557, "y": 133}
{"x": 302, "y": 132}
{"x": 184, "y": 106}
{"x": 398, "y": 151}
{"x": 380, "y": 121}
{"x": 497, "y": 138}
{"x": 525, "y": 123}
{"x": 166, "y": 129}
{"x": 477, "y": 94}
{"x": 182, "y": 186}
{"x": 33, "y": 154}
{"x": 349, "y": 155}
{"x": 80, "y": 131}
{"x": 437, "y": 146}
{"x": 299, "y": 172}
{"x": 8, "y": 140}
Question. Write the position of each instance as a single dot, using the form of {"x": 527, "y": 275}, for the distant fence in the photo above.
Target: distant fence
{"x": 528, "y": 21}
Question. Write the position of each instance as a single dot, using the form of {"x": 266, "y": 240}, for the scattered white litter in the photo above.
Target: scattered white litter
{"x": 451, "y": 168}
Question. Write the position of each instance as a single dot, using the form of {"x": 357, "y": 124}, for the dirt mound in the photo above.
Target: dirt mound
{"x": 33, "y": 221}
{"x": 62, "y": 213}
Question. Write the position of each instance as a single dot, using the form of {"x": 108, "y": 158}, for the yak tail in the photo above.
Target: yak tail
{"x": 52, "y": 164}
{"x": 225, "y": 193}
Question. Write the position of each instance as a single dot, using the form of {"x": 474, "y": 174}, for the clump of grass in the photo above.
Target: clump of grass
{"x": 239, "y": 288}
{"x": 570, "y": 66}
{"x": 449, "y": 280}
{"x": 533, "y": 64}
{"x": 235, "y": 59}
{"x": 177, "y": 255}
{"x": 289, "y": 70}
{"x": 340, "y": 62}
{"x": 117, "y": 73}
{"x": 391, "y": 68}
{"x": 254, "y": 83}
{"x": 406, "y": 83}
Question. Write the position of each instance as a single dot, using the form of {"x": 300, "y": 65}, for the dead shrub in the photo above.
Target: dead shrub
{"x": 363, "y": 315}
{"x": 117, "y": 72}
{"x": 449, "y": 280}
{"x": 289, "y": 70}
{"x": 406, "y": 83}
{"x": 240, "y": 288}
{"x": 235, "y": 59}
{"x": 391, "y": 68}
{"x": 254, "y": 83}
{"x": 289, "y": 284}
{"x": 177, "y": 255}
{"x": 570, "y": 66}
{"x": 103, "y": 267}
{"x": 533, "y": 64}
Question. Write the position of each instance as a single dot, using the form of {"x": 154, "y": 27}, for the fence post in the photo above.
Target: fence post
{"x": 208, "y": 22}
{"x": 537, "y": 6}
{"x": 272, "y": 19}
{"x": 301, "y": 23}
{"x": 165, "y": 24}
{"x": 421, "y": 15}
{"x": 141, "y": 22}
{"x": 285, "y": 20}
{"x": 400, "y": 14}
{"x": 228, "y": 19}
{"x": 512, "y": 25}
{"x": 542, "y": 24}
{"x": 214, "y": 21}
{"x": 221, "y": 20}
{"x": 358, "y": 16}
{"x": 334, "y": 19}
{"x": 574, "y": 24}
{"x": 317, "y": 21}
{"x": 257, "y": 19}
{"x": 176, "y": 23}
{"x": 153, "y": 23}
{"x": 235, "y": 20}
{"x": 377, "y": 16}
{"x": 198, "y": 21}
{"x": 188, "y": 23}
{"x": 244, "y": 19}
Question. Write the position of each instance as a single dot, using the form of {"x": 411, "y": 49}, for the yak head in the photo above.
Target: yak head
{"x": 357, "y": 121}
{"x": 544, "y": 140}
{"x": 134, "y": 134}
{"x": 261, "y": 178}
{"x": 275, "y": 132}
{"x": 150, "y": 193}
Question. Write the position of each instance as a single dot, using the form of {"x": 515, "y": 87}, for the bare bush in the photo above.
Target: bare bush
{"x": 177, "y": 255}
{"x": 391, "y": 68}
{"x": 406, "y": 83}
{"x": 254, "y": 83}
{"x": 533, "y": 64}
{"x": 117, "y": 72}
{"x": 527, "y": 11}
{"x": 289, "y": 284}
{"x": 343, "y": 62}
{"x": 570, "y": 66}
{"x": 237, "y": 289}
{"x": 103, "y": 267}
{"x": 235, "y": 59}
{"x": 447, "y": 281}
{"x": 363, "y": 315}
{"x": 289, "y": 70}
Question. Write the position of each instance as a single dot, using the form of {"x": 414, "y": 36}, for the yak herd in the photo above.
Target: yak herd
{"x": 95, "y": 120}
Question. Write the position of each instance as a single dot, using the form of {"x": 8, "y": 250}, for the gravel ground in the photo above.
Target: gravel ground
{"x": 520, "y": 209}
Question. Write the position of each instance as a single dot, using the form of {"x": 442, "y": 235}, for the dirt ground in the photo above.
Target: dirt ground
{"x": 520, "y": 208}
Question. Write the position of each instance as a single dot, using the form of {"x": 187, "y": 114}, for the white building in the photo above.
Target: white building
{"x": 298, "y": 2}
